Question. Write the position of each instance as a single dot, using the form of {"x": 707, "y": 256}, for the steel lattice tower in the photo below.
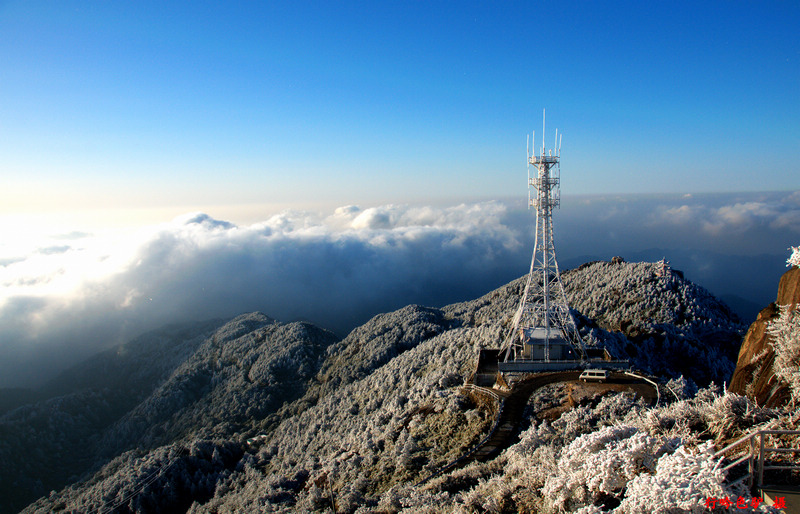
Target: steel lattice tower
{"x": 543, "y": 319}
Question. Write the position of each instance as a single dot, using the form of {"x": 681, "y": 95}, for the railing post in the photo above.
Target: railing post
{"x": 750, "y": 467}
{"x": 761, "y": 461}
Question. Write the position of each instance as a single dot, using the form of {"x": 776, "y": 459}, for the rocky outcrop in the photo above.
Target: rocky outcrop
{"x": 754, "y": 375}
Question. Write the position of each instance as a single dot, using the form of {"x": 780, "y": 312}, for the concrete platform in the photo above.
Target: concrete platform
{"x": 557, "y": 365}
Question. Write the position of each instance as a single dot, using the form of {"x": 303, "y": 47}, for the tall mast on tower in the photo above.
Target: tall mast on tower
{"x": 543, "y": 328}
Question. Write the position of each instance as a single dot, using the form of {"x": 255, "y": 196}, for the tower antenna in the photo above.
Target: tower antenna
{"x": 527, "y": 145}
{"x": 542, "y": 132}
{"x": 543, "y": 334}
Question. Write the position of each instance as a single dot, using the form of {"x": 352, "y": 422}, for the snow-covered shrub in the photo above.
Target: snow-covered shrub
{"x": 785, "y": 332}
{"x": 590, "y": 509}
{"x": 512, "y": 481}
{"x": 682, "y": 482}
{"x": 531, "y": 457}
{"x": 732, "y": 414}
{"x": 601, "y": 463}
{"x": 418, "y": 501}
{"x": 680, "y": 388}
{"x": 390, "y": 499}
{"x": 794, "y": 259}
{"x": 708, "y": 415}
{"x": 618, "y": 408}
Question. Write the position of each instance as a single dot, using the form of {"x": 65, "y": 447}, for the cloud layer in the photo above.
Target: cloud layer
{"x": 71, "y": 295}
{"x": 336, "y": 270}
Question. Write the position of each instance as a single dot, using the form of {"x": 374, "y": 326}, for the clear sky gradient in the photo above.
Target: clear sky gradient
{"x": 159, "y": 105}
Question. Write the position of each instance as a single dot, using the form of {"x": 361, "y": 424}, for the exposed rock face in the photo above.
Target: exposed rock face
{"x": 754, "y": 375}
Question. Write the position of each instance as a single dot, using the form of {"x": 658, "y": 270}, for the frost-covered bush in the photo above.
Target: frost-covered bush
{"x": 731, "y": 414}
{"x": 601, "y": 463}
{"x": 610, "y": 409}
{"x": 525, "y": 467}
{"x": 416, "y": 501}
{"x": 682, "y": 481}
{"x": 794, "y": 258}
{"x": 708, "y": 415}
{"x": 680, "y": 388}
{"x": 608, "y": 458}
{"x": 785, "y": 332}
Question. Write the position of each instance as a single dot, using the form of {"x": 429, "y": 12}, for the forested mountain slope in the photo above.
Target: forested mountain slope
{"x": 197, "y": 382}
{"x": 671, "y": 325}
{"x": 364, "y": 418}
{"x": 50, "y": 442}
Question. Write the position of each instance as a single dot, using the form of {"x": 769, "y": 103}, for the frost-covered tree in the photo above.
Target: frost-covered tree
{"x": 785, "y": 332}
{"x": 794, "y": 258}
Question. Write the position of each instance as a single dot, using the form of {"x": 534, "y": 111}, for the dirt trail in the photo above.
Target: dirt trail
{"x": 512, "y": 407}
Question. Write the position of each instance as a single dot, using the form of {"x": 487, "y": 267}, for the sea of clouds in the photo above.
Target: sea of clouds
{"x": 68, "y": 295}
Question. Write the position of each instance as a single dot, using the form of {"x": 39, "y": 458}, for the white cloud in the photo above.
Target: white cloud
{"x": 336, "y": 270}
{"x": 680, "y": 215}
{"x": 67, "y": 296}
{"x": 738, "y": 217}
{"x": 373, "y": 218}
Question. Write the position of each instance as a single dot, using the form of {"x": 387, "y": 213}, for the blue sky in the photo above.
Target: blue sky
{"x": 197, "y": 104}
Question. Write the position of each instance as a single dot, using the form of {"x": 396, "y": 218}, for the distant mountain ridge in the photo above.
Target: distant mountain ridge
{"x": 386, "y": 391}
{"x": 53, "y": 438}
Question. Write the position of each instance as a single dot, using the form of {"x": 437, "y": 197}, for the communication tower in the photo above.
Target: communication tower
{"x": 543, "y": 328}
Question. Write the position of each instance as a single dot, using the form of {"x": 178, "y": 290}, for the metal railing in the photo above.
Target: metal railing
{"x": 755, "y": 456}
{"x": 483, "y": 390}
{"x": 655, "y": 386}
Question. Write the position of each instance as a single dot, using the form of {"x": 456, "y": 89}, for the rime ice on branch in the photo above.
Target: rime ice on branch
{"x": 785, "y": 332}
{"x": 794, "y": 259}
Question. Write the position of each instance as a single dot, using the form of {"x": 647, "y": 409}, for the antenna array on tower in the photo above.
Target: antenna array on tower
{"x": 543, "y": 328}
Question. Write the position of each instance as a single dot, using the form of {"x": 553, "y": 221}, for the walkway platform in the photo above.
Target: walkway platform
{"x": 790, "y": 495}
{"x": 557, "y": 365}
